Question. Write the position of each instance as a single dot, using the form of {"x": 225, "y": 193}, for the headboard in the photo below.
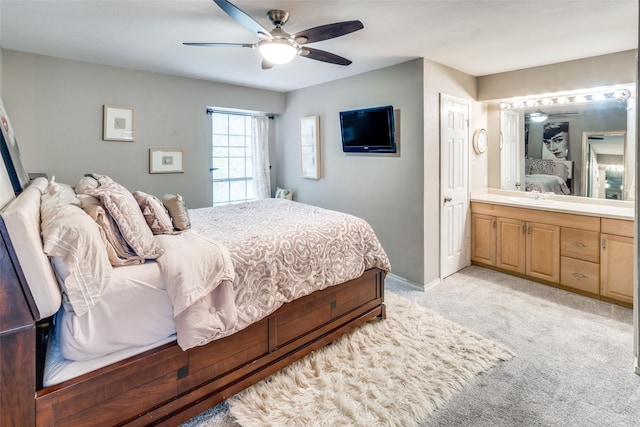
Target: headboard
{"x": 561, "y": 168}
{"x": 22, "y": 220}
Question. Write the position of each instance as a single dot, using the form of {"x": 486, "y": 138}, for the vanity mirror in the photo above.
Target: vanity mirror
{"x": 570, "y": 143}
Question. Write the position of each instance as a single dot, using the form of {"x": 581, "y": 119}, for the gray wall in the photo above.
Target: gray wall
{"x": 55, "y": 106}
{"x": 604, "y": 70}
{"x": 56, "y": 110}
{"x": 384, "y": 189}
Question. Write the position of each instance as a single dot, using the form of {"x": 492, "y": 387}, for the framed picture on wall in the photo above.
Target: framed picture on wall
{"x": 166, "y": 160}
{"x": 118, "y": 123}
{"x": 310, "y": 147}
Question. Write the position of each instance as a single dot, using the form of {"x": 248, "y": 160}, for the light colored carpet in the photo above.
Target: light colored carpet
{"x": 393, "y": 372}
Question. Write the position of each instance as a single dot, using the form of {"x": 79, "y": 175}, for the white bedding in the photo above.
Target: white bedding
{"x": 546, "y": 184}
{"x": 135, "y": 311}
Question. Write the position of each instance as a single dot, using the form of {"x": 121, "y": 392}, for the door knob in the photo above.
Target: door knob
{"x": 447, "y": 199}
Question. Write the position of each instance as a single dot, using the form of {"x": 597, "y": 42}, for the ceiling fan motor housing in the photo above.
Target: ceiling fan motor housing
{"x": 278, "y": 17}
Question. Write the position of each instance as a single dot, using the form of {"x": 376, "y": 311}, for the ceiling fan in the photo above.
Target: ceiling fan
{"x": 279, "y": 47}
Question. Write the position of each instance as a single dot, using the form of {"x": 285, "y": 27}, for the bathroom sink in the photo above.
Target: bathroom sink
{"x": 530, "y": 201}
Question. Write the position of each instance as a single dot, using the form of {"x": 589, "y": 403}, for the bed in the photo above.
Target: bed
{"x": 548, "y": 176}
{"x": 149, "y": 337}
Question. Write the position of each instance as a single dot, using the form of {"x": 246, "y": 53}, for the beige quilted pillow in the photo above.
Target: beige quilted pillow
{"x": 124, "y": 210}
{"x": 119, "y": 251}
{"x": 154, "y": 212}
{"x": 178, "y": 211}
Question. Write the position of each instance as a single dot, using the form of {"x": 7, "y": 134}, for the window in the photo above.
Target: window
{"x": 231, "y": 168}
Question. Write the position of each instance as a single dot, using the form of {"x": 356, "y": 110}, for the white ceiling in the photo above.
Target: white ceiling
{"x": 478, "y": 37}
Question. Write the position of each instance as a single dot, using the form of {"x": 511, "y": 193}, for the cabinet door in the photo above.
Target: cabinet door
{"x": 483, "y": 239}
{"x": 510, "y": 236}
{"x": 543, "y": 251}
{"x": 616, "y": 267}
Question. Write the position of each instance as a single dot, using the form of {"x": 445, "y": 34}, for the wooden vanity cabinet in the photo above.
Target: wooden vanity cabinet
{"x": 588, "y": 254}
{"x": 543, "y": 251}
{"x": 580, "y": 258}
{"x": 483, "y": 238}
{"x": 616, "y": 260}
{"x": 511, "y": 245}
{"x": 521, "y": 246}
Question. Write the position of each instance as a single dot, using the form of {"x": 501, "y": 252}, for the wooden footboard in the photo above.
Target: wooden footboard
{"x": 166, "y": 385}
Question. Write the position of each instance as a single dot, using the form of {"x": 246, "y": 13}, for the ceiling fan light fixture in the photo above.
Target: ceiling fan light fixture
{"x": 278, "y": 51}
{"x": 538, "y": 116}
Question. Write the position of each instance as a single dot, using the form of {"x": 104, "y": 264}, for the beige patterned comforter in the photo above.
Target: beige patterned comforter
{"x": 283, "y": 250}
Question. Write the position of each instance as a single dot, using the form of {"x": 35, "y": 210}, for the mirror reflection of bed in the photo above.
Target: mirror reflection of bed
{"x": 548, "y": 176}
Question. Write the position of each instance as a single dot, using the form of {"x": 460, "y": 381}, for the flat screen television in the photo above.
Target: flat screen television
{"x": 368, "y": 130}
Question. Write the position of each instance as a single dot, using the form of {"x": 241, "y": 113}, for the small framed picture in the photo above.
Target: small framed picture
{"x": 118, "y": 123}
{"x": 165, "y": 160}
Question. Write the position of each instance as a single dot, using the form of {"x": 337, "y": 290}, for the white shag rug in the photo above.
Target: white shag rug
{"x": 392, "y": 372}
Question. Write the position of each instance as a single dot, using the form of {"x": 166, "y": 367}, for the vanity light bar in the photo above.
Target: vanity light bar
{"x": 597, "y": 96}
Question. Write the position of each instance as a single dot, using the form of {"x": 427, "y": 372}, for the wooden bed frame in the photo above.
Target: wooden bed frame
{"x": 163, "y": 386}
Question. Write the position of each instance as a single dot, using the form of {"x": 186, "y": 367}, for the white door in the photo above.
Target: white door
{"x": 511, "y": 173}
{"x": 454, "y": 184}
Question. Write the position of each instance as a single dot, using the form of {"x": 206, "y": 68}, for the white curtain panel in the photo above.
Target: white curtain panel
{"x": 260, "y": 155}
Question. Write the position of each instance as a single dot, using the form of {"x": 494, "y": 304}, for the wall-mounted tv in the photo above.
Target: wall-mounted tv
{"x": 368, "y": 130}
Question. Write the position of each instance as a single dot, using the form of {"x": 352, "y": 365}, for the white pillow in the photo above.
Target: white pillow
{"x": 72, "y": 238}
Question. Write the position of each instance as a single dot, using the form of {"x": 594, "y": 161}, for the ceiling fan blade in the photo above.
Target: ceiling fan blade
{"x": 221, "y": 44}
{"x": 329, "y": 31}
{"x": 266, "y": 65}
{"x": 244, "y": 19}
{"x": 321, "y": 55}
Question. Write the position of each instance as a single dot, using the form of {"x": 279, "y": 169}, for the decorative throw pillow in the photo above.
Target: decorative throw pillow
{"x": 119, "y": 251}
{"x": 178, "y": 211}
{"x": 284, "y": 193}
{"x": 124, "y": 210}
{"x": 154, "y": 212}
{"x": 74, "y": 238}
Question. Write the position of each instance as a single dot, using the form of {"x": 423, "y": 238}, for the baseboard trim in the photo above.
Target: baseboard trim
{"x": 433, "y": 283}
{"x": 403, "y": 281}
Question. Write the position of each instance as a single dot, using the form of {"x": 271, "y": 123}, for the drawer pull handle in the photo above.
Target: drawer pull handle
{"x": 578, "y": 244}
{"x": 579, "y": 275}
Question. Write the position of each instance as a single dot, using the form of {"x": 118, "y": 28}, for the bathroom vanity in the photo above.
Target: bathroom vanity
{"x": 578, "y": 244}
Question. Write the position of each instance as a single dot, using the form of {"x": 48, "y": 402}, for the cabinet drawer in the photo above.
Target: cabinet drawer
{"x": 579, "y": 274}
{"x": 580, "y": 244}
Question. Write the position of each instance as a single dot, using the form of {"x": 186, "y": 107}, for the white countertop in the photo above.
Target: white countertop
{"x": 555, "y": 203}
